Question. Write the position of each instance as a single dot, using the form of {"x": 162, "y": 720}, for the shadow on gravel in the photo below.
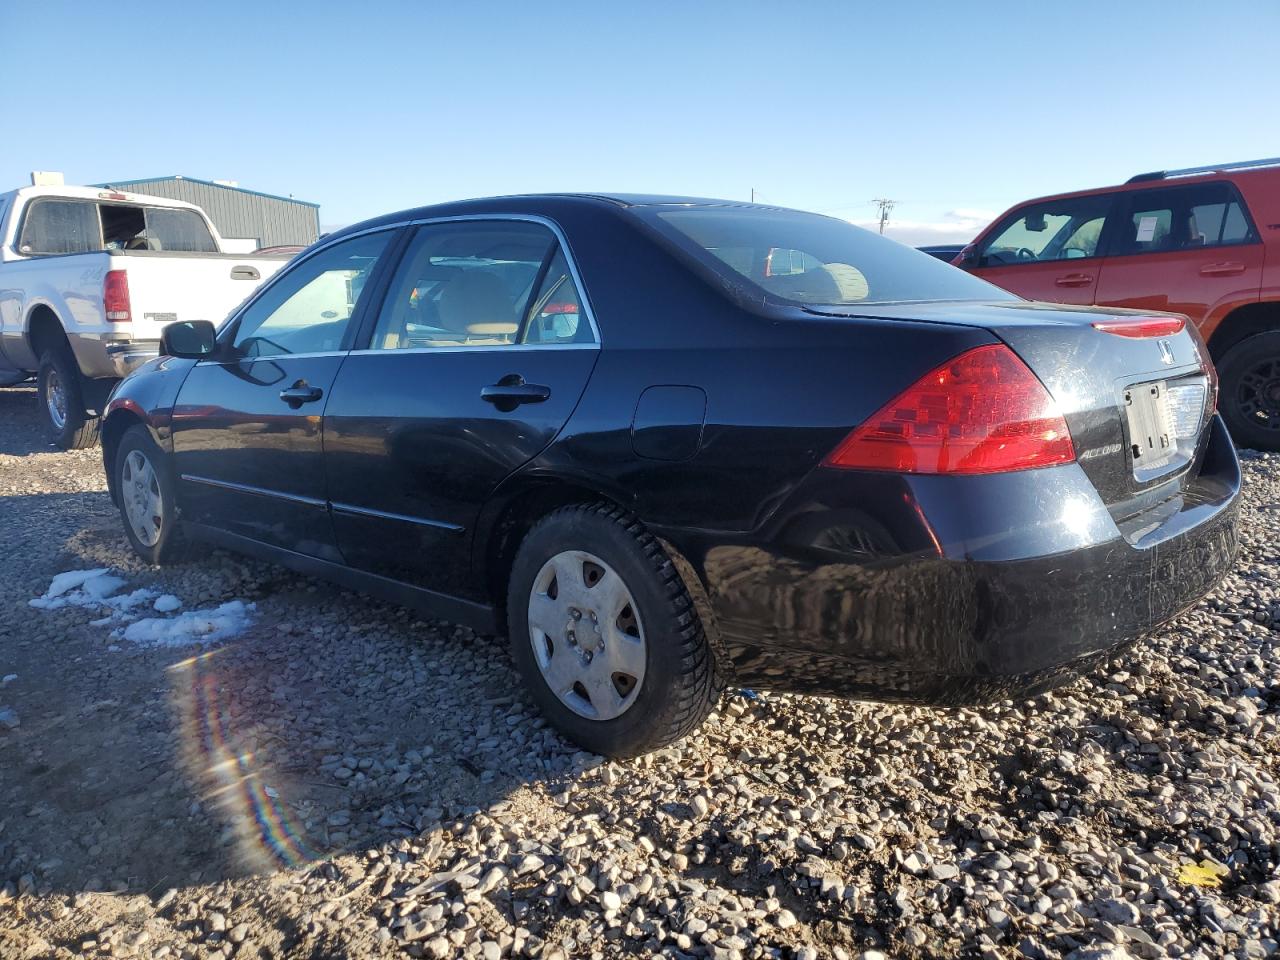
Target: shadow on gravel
{"x": 334, "y": 724}
{"x": 18, "y": 413}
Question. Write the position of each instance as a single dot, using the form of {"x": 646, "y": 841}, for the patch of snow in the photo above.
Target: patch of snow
{"x": 70, "y": 580}
{"x": 194, "y": 626}
{"x": 167, "y": 603}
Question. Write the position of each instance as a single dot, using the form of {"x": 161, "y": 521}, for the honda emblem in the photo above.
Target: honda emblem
{"x": 1166, "y": 351}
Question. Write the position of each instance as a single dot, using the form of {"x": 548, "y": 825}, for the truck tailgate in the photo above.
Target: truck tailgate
{"x": 166, "y": 287}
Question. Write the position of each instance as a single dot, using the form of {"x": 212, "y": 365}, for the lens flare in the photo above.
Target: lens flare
{"x": 216, "y": 757}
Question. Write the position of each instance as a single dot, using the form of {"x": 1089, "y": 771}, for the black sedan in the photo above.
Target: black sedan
{"x": 666, "y": 445}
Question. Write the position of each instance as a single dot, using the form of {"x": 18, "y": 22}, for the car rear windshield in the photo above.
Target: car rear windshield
{"x": 805, "y": 258}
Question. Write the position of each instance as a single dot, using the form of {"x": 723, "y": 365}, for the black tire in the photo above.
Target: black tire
{"x": 678, "y": 688}
{"x": 170, "y": 545}
{"x": 58, "y": 384}
{"x": 1249, "y": 391}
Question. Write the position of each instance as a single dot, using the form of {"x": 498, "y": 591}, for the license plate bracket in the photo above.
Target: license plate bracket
{"x": 1152, "y": 444}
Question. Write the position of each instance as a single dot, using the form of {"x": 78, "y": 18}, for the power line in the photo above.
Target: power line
{"x": 886, "y": 206}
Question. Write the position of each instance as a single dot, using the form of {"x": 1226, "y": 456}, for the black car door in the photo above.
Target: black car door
{"x": 247, "y": 424}
{"x": 477, "y": 357}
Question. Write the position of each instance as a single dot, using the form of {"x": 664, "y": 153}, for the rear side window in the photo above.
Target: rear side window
{"x": 805, "y": 258}
{"x": 1066, "y": 229}
{"x": 1182, "y": 218}
{"x": 481, "y": 284}
{"x": 59, "y": 226}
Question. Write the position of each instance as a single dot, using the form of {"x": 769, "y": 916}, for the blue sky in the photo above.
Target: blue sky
{"x": 955, "y": 110}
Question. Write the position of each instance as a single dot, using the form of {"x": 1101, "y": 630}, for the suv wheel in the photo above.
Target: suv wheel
{"x": 605, "y": 633}
{"x": 58, "y": 385}
{"x": 1249, "y": 396}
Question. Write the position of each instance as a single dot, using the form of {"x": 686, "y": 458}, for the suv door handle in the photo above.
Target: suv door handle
{"x": 300, "y": 393}
{"x": 1228, "y": 268}
{"x": 1075, "y": 280}
{"x": 511, "y": 391}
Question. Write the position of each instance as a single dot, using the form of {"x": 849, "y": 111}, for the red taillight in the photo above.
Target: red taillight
{"x": 1141, "y": 326}
{"x": 983, "y": 412}
{"x": 115, "y": 295}
{"x": 551, "y": 308}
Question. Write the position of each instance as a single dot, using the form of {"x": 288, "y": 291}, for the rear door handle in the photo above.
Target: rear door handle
{"x": 511, "y": 391}
{"x": 1227, "y": 269}
{"x": 300, "y": 393}
{"x": 1075, "y": 280}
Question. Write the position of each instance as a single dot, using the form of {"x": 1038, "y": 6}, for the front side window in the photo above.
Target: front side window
{"x": 60, "y": 226}
{"x": 309, "y": 309}
{"x": 481, "y": 283}
{"x": 1183, "y": 218}
{"x": 806, "y": 258}
{"x": 1067, "y": 229}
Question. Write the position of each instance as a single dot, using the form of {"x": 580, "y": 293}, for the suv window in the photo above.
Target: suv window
{"x": 59, "y": 226}
{"x": 1067, "y": 229}
{"x": 1182, "y": 218}
{"x": 309, "y": 309}
{"x": 473, "y": 284}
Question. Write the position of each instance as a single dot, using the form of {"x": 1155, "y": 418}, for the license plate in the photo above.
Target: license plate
{"x": 1152, "y": 443}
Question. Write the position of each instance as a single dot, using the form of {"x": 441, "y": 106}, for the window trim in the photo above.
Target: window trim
{"x": 1100, "y": 252}
{"x": 1126, "y": 207}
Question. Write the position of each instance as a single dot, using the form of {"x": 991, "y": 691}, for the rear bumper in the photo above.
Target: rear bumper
{"x": 959, "y": 589}
{"x": 101, "y": 358}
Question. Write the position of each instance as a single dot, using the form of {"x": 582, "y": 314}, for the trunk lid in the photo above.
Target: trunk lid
{"x": 166, "y": 287}
{"x": 1137, "y": 408}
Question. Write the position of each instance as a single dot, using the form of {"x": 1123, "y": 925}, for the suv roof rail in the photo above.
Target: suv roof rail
{"x": 1212, "y": 168}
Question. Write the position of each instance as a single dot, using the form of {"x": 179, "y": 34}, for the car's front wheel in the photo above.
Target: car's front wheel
{"x": 146, "y": 495}
{"x": 606, "y": 634}
{"x": 1249, "y": 397}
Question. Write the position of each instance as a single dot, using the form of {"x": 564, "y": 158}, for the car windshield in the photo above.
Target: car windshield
{"x": 806, "y": 258}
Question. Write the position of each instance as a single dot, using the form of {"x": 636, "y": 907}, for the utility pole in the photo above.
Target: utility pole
{"x": 753, "y": 194}
{"x": 885, "y": 207}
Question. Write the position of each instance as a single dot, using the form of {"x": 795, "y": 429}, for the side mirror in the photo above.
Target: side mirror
{"x": 188, "y": 339}
{"x": 968, "y": 257}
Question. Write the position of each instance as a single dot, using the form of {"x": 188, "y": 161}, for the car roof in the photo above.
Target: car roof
{"x": 540, "y": 203}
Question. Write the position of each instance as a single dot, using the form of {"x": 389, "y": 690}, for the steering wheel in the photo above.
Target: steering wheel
{"x": 1025, "y": 253}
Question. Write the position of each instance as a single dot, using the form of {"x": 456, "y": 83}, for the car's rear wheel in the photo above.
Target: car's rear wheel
{"x": 605, "y": 633}
{"x": 1249, "y": 396}
{"x": 61, "y": 400}
{"x": 145, "y": 491}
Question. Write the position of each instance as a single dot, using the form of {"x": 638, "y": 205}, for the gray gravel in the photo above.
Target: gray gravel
{"x": 346, "y": 780}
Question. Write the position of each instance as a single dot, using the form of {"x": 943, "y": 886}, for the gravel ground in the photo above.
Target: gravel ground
{"x": 343, "y": 780}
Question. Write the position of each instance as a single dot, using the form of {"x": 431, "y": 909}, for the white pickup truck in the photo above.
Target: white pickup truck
{"x": 89, "y": 276}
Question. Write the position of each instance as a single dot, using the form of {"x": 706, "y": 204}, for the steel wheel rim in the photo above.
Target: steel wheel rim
{"x": 55, "y": 398}
{"x": 586, "y": 634}
{"x": 140, "y": 494}
{"x": 1259, "y": 394}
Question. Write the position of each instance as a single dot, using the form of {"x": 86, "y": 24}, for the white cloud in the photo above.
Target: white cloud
{"x": 955, "y": 226}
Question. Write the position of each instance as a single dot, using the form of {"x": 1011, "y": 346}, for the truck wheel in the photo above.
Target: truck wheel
{"x": 1249, "y": 395}
{"x": 62, "y": 402}
{"x": 605, "y": 633}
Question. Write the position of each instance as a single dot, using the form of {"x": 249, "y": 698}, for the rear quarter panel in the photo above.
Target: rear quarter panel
{"x": 69, "y": 285}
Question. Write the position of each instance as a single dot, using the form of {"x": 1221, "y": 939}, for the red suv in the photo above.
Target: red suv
{"x": 1204, "y": 242}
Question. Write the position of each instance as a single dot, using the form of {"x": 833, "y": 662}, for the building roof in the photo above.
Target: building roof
{"x": 207, "y": 183}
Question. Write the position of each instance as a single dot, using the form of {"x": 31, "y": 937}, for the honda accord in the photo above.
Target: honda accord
{"x": 667, "y": 444}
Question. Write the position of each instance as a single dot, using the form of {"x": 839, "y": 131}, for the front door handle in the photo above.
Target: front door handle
{"x": 300, "y": 393}
{"x": 511, "y": 391}
{"x": 1227, "y": 269}
{"x": 1075, "y": 280}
